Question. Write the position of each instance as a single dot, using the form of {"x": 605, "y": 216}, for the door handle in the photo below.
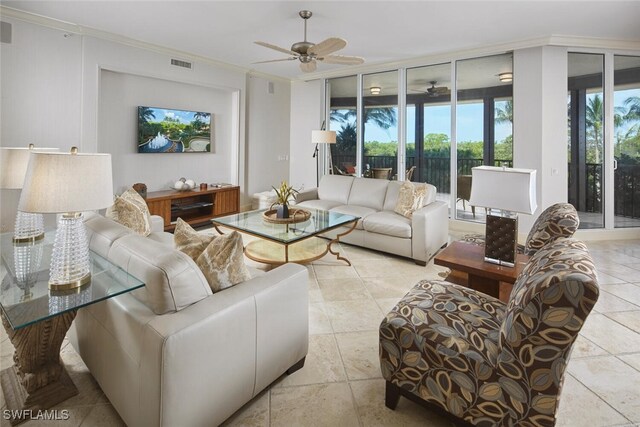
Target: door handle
{"x": 615, "y": 164}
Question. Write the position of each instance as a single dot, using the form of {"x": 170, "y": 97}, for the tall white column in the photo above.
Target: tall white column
{"x": 540, "y": 123}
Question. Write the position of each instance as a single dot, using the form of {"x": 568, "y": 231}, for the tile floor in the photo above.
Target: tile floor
{"x": 341, "y": 384}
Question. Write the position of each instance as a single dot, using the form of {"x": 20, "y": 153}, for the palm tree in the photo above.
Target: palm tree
{"x": 594, "y": 122}
{"x": 346, "y": 139}
{"x": 633, "y": 103}
{"x": 145, "y": 114}
{"x": 383, "y": 117}
{"x": 504, "y": 115}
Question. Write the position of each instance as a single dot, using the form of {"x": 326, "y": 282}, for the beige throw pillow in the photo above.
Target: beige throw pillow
{"x": 222, "y": 262}
{"x": 220, "y": 258}
{"x": 410, "y": 198}
{"x": 130, "y": 210}
{"x": 189, "y": 241}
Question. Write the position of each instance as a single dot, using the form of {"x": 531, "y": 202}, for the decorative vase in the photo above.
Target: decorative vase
{"x": 282, "y": 211}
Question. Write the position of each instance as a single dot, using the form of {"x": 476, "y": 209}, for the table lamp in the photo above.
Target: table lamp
{"x": 509, "y": 191}
{"x": 68, "y": 183}
{"x": 29, "y": 227}
{"x": 323, "y": 137}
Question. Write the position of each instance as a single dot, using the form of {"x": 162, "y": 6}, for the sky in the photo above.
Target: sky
{"x": 184, "y": 116}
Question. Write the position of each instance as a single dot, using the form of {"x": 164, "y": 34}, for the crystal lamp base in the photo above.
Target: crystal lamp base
{"x": 70, "y": 264}
{"x": 29, "y": 227}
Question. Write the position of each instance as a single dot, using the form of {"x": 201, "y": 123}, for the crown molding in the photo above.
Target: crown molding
{"x": 479, "y": 50}
{"x": 69, "y": 27}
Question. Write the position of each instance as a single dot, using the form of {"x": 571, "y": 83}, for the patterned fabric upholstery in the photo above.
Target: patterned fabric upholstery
{"x": 559, "y": 220}
{"x": 486, "y": 362}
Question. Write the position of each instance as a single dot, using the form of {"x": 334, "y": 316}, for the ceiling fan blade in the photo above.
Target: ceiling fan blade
{"x": 308, "y": 67}
{"x": 275, "y": 60}
{"x": 325, "y": 47}
{"x": 278, "y": 48}
{"x": 342, "y": 59}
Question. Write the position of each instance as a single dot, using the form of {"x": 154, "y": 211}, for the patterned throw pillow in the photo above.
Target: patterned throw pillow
{"x": 410, "y": 198}
{"x": 220, "y": 258}
{"x": 130, "y": 210}
{"x": 222, "y": 262}
{"x": 189, "y": 241}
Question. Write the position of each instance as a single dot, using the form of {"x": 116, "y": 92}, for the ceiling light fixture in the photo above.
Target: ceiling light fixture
{"x": 506, "y": 77}
{"x": 375, "y": 90}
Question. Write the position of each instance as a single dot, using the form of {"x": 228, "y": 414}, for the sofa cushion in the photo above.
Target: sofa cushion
{"x": 102, "y": 232}
{"x": 389, "y": 223}
{"x": 368, "y": 192}
{"x": 335, "y": 188}
{"x": 173, "y": 280}
{"x": 352, "y": 210}
{"x": 222, "y": 262}
{"x": 410, "y": 198}
{"x": 324, "y": 205}
{"x": 130, "y": 210}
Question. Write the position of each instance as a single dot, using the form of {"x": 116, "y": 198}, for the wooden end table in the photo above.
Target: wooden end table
{"x": 482, "y": 276}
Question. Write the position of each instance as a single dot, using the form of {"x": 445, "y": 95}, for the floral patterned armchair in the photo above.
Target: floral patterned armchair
{"x": 557, "y": 221}
{"x": 483, "y": 361}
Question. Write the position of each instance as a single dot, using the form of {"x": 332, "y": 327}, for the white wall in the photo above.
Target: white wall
{"x": 268, "y": 109}
{"x": 52, "y": 95}
{"x": 540, "y": 122}
{"x": 306, "y": 115}
{"x": 121, "y": 94}
{"x": 40, "y": 91}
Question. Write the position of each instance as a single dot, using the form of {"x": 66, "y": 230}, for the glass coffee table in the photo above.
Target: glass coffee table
{"x": 282, "y": 243}
{"x": 37, "y": 319}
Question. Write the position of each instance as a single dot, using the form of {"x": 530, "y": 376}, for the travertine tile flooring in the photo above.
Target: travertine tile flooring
{"x": 341, "y": 384}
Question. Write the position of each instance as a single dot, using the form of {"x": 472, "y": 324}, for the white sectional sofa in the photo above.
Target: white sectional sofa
{"x": 174, "y": 354}
{"x": 380, "y": 228}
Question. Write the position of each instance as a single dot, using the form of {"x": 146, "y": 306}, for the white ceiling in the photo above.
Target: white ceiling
{"x": 379, "y": 31}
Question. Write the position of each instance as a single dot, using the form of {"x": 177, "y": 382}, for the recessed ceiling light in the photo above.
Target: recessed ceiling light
{"x": 375, "y": 90}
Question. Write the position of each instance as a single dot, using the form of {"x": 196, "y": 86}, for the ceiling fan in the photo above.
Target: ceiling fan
{"x": 434, "y": 91}
{"x": 309, "y": 53}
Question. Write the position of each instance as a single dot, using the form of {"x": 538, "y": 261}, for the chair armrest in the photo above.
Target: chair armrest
{"x": 157, "y": 223}
{"x": 430, "y": 230}
{"x": 207, "y": 360}
{"x": 310, "y": 194}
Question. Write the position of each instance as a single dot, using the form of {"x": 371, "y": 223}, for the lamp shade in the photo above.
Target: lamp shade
{"x": 323, "y": 136}
{"x": 504, "y": 188}
{"x": 13, "y": 165}
{"x": 67, "y": 182}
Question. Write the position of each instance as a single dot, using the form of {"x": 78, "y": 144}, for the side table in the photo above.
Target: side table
{"x": 37, "y": 319}
{"x": 483, "y": 276}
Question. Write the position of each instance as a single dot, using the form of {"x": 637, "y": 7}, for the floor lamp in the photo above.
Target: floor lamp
{"x": 322, "y": 137}
{"x": 509, "y": 191}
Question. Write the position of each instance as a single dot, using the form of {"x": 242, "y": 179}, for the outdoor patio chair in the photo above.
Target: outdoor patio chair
{"x": 485, "y": 362}
{"x": 464, "y": 191}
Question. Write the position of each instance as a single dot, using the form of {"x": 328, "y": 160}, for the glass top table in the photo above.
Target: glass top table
{"x": 25, "y": 297}
{"x": 296, "y": 242}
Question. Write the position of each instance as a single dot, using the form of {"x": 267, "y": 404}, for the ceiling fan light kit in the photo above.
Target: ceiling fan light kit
{"x": 309, "y": 53}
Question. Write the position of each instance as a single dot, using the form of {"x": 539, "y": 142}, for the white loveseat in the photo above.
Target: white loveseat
{"x": 173, "y": 353}
{"x": 380, "y": 228}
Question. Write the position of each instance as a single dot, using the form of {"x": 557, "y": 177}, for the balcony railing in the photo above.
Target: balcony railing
{"x": 436, "y": 171}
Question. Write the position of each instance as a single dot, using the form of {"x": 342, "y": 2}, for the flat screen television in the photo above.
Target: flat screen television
{"x": 164, "y": 130}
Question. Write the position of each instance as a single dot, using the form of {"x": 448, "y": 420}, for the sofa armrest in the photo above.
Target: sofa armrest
{"x": 430, "y": 230}
{"x": 205, "y": 361}
{"x": 310, "y": 194}
{"x": 157, "y": 223}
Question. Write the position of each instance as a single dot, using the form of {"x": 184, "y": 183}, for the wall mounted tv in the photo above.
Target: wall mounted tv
{"x": 163, "y": 130}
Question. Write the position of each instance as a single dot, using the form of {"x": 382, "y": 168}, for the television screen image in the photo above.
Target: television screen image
{"x": 163, "y": 130}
